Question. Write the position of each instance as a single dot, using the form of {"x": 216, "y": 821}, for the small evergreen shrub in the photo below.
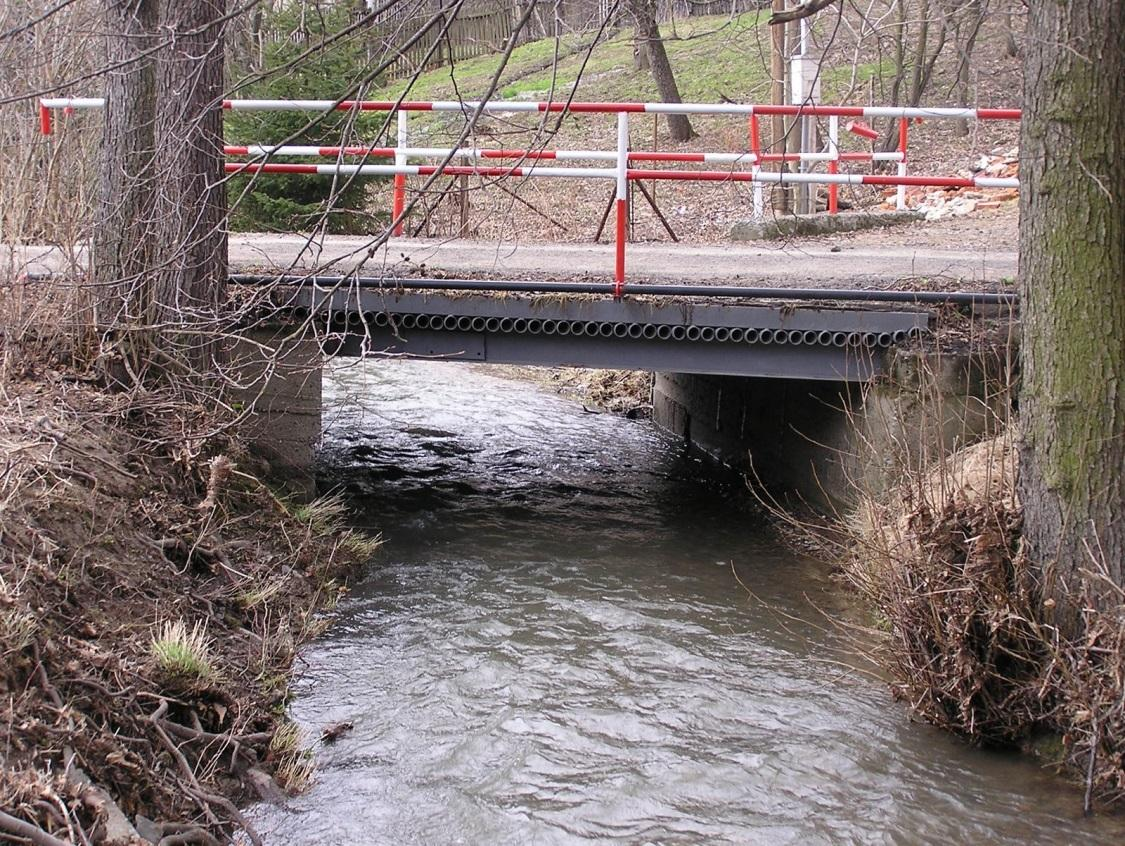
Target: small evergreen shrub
{"x": 298, "y": 202}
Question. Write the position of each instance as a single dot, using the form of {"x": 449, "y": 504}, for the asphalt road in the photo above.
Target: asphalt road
{"x": 788, "y": 264}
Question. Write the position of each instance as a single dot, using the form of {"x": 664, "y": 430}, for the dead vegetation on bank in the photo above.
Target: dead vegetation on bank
{"x": 973, "y": 644}
{"x": 152, "y": 595}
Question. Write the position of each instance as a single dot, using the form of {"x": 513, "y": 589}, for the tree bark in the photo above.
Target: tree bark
{"x": 122, "y": 242}
{"x": 648, "y": 33}
{"x": 1072, "y": 267}
{"x": 190, "y": 206}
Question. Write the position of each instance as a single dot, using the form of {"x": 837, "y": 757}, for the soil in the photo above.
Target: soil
{"x": 121, "y": 514}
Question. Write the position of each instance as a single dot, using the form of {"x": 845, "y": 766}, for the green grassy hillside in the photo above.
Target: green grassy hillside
{"x": 713, "y": 57}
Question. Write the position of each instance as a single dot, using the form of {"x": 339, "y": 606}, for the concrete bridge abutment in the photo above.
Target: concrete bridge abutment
{"x": 828, "y": 442}
{"x": 279, "y": 389}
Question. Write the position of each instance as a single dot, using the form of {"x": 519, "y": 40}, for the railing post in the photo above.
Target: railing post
{"x": 903, "y": 129}
{"x": 622, "y": 201}
{"x": 756, "y": 168}
{"x": 399, "y": 202}
{"x": 44, "y": 119}
{"x": 834, "y": 163}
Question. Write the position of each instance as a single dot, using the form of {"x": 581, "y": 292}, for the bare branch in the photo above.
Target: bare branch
{"x": 805, "y": 10}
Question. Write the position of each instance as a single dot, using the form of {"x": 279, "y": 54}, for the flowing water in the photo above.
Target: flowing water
{"x": 577, "y": 634}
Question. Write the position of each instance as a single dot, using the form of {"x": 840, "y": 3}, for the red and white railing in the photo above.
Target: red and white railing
{"x": 622, "y": 172}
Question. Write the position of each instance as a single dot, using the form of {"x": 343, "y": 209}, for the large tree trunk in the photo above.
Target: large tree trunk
{"x": 648, "y": 33}
{"x": 190, "y": 207}
{"x": 1072, "y": 285}
{"x": 122, "y": 243}
{"x": 159, "y": 251}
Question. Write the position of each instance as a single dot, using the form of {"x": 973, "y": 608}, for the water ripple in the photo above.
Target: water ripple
{"x": 553, "y": 649}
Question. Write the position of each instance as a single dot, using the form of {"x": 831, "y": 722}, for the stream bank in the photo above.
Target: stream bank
{"x": 153, "y": 594}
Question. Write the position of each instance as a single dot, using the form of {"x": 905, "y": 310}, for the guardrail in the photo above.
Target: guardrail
{"x": 622, "y": 172}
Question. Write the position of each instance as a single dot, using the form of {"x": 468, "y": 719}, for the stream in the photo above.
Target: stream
{"x": 576, "y": 633}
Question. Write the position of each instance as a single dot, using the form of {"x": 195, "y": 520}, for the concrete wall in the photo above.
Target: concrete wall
{"x": 280, "y": 385}
{"x": 825, "y": 441}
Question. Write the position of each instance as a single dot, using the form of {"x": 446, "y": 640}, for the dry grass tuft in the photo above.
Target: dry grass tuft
{"x": 294, "y": 762}
{"x": 182, "y": 653}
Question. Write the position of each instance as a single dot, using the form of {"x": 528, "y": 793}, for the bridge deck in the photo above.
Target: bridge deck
{"x": 791, "y": 264}
{"x": 783, "y": 264}
{"x": 807, "y": 343}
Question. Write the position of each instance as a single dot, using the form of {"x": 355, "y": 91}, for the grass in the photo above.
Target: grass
{"x": 182, "y": 653}
{"x": 710, "y": 55}
{"x": 294, "y": 763}
{"x": 326, "y": 516}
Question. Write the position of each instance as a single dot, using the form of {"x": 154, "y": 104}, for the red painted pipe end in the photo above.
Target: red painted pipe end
{"x": 44, "y": 119}
{"x": 858, "y": 127}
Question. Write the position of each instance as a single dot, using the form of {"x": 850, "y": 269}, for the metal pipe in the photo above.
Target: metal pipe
{"x": 638, "y": 289}
{"x": 380, "y": 318}
{"x": 663, "y": 332}
{"x": 839, "y": 339}
{"x": 478, "y": 324}
{"x": 605, "y": 330}
{"x": 722, "y": 334}
{"x": 694, "y": 333}
{"x": 765, "y": 336}
{"x": 465, "y": 323}
{"x": 795, "y": 336}
{"x": 590, "y": 329}
{"x": 810, "y": 337}
{"x": 706, "y": 334}
{"x": 550, "y": 327}
{"x": 534, "y": 326}
{"x": 448, "y": 323}
{"x": 824, "y": 338}
{"x": 899, "y": 336}
{"x": 884, "y": 339}
{"x": 634, "y": 330}
{"x": 492, "y": 324}
{"x": 649, "y": 331}
{"x": 678, "y": 333}
{"x": 621, "y": 330}
{"x": 565, "y": 327}
{"x": 408, "y": 321}
{"x": 753, "y": 336}
{"x": 519, "y": 325}
{"x": 506, "y": 324}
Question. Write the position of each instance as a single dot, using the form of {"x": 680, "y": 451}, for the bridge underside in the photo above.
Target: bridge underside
{"x": 731, "y": 340}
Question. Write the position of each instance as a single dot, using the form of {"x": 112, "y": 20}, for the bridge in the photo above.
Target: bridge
{"x": 740, "y": 337}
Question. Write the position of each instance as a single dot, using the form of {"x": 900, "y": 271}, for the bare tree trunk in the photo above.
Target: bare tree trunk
{"x": 122, "y": 242}
{"x": 1072, "y": 263}
{"x": 969, "y": 18}
{"x": 190, "y": 277}
{"x": 1011, "y": 46}
{"x": 648, "y": 32}
{"x": 778, "y": 140}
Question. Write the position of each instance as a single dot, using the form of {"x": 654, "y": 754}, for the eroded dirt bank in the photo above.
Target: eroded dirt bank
{"x": 152, "y": 594}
